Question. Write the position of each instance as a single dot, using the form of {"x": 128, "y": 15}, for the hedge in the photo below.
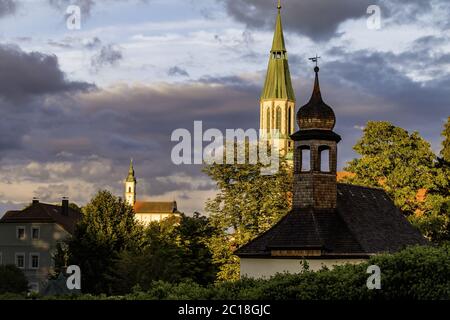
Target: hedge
{"x": 419, "y": 273}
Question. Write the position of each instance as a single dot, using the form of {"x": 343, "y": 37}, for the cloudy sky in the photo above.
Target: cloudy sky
{"x": 76, "y": 105}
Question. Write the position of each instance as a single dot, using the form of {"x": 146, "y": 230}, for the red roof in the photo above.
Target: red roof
{"x": 155, "y": 207}
{"x": 43, "y": 213}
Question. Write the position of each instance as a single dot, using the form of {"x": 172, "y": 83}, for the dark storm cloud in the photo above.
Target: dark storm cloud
{"x": 7, "y": 7}
{"x": 118, "y": 123}
{"x": 177, "y": 71}
{"x": 25, "y": 75}
{"x": 320, "y": 19}
{"x": 317, "y": 19}
{"x": 109, "y": 55}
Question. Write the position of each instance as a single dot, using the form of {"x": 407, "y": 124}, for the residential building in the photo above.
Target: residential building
{"x": 29, "y": 237}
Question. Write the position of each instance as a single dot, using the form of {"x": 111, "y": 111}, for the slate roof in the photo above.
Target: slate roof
{"x": 43, "y": 213}
{"x": 155, "y": 207}
{"x": 365, "y": 222}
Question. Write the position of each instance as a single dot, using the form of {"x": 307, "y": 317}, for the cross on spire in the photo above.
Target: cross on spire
{"x": 315, "y": 59}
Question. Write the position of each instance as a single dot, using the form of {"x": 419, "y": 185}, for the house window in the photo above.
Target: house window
{"x": 35, "y": 233}
{"x": 20, "y": 260}
{"x": 20, "y": 231}
{"x": 34, "y": 260}
{"x": 324, "y": 157}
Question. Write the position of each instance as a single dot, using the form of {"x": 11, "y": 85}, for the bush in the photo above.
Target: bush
{"x": 419, "y": 273}
{"x": 12, "y": 280}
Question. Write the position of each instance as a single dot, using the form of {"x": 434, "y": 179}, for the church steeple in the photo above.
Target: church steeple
{"x": 131, "y": 177}
{"x": 277, "y": 102}
{"x": 130, "y": 186}
{"x": 278, "y": 83}
{"x": 278, "y": 38}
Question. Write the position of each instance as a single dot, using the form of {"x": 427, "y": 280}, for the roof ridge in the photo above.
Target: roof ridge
{"x": 360, "y": 186}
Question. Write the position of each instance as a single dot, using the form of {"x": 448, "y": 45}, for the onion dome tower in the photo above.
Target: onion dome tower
{"x": 315, "y": 154}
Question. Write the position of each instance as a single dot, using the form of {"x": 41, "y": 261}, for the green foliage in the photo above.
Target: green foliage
{"x": 445, "y": 152}
{"x": 106, "y": 229}
{"x": 174, "y": 250}
{"x": 402, "y": 164}
{"x": 246, "y": 205}
{"x": 12, "y": 280}
{"x": 418, "y": 273}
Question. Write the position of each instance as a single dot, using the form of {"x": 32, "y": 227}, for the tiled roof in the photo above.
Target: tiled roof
{"x": 365, "y": 222}
{"x": 43, "y": 213}
{"x": 155, "y": 207}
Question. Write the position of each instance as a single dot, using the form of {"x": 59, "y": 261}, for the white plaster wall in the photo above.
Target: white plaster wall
{"x": 265, "y": 268}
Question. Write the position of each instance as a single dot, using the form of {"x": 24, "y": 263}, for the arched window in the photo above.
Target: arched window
{"x": 303, "y": 159}
{"x": 268, "y": 119}
{"x": 324, "y": 158}
{"x": 278, "y": 118}
{"x": 129, "y": 189}
{"x": 289, "y": 120}
{"x": 306, "y": 160}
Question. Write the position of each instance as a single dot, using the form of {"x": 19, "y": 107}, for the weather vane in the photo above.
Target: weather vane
{"x": 315, "y": 59}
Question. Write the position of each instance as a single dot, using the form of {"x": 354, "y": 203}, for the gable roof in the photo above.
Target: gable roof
{"x": 43, "y": 213}
{"x": 365, "y": 222}
{"x": 155, "y": 207}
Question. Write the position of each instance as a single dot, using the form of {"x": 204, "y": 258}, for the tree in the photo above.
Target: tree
{"x": 404, "y": 164}
{"x": 445, "y": 153}
{"x": 12, "y": 280}
{"x": 247, "y": 204}
{"x": 106, "y": 229}
{"x": 391, "y": 158}
{"x": 174, "y": 250}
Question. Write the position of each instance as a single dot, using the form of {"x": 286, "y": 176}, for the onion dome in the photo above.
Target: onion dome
{"x": 316, "y": 114}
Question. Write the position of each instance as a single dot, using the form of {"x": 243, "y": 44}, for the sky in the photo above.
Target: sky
{"x": 77, "y": 104}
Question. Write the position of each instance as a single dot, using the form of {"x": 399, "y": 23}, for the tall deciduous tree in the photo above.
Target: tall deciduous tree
{"x": 395, "y": 160}
{"x": 247, "y": 204}
{"x": 445, "y": 153}
{"x": 174, "y": 250}
{"x": 107, "y": 228}
{"x": 404, "y": 165}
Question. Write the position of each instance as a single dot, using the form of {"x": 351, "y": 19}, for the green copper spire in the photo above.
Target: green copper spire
{"x": 131, "y": 177}
{"x": 278, "y": 38}
{"x": 278, "y": 83}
